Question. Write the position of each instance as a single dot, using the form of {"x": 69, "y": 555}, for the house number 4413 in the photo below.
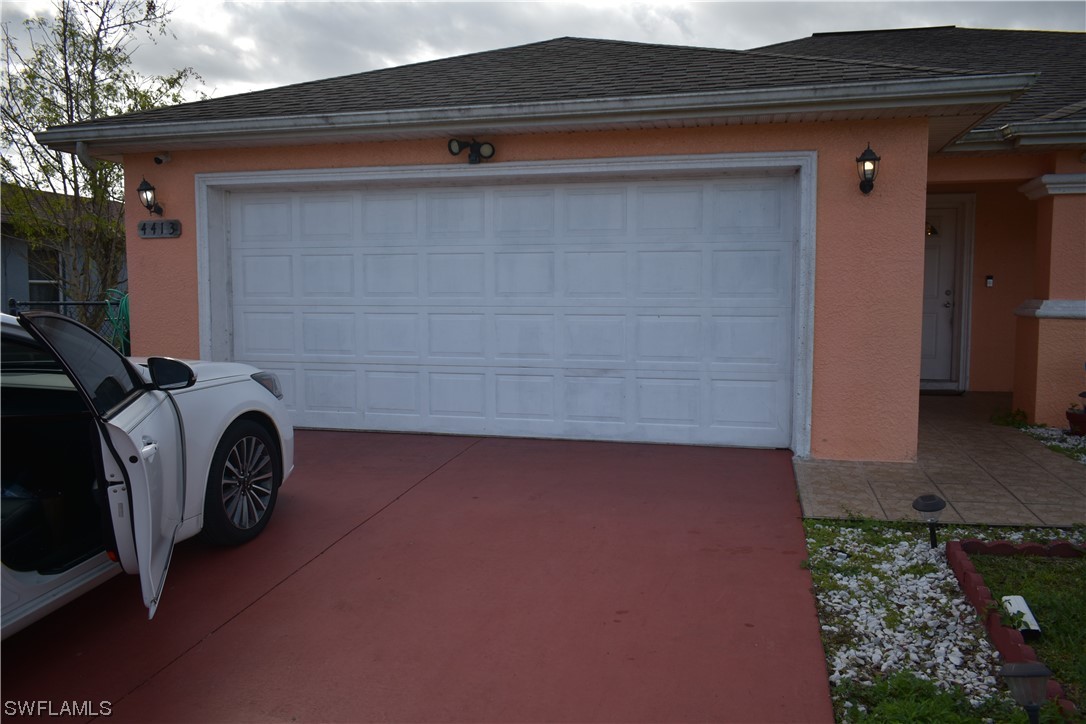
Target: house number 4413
{"x": 160, "y": 229}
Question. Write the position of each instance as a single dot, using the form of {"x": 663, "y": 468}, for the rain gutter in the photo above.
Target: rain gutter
{"x": 903, "y": 98}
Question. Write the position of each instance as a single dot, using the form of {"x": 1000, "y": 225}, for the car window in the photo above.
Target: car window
{"x": 102, "y": 372}
{"x": 23, "y": 358}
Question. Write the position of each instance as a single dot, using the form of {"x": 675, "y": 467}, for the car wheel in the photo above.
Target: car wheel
{"x": 242, "y": 486}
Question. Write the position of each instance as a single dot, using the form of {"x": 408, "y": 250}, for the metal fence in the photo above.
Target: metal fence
{"x": 114, "y": 326}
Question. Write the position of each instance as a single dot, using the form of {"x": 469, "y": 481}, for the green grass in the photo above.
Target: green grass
{"x": 903, "y": 696}
{"x": 1055, "y": 589}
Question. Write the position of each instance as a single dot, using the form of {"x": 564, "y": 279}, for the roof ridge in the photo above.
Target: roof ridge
{"x": 877, "y": 63}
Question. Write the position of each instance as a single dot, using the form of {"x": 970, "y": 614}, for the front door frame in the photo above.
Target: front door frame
{"x": 965, "y": 206}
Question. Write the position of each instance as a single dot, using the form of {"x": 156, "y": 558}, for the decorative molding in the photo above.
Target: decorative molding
{"x": 1052, "y": 308}
{"x": 1054, "y": 184}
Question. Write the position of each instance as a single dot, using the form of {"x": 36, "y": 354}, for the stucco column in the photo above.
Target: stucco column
{"x": 1050, "y": 339}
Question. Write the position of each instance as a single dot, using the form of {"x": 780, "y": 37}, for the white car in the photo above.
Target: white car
{"x": 109, "y": 461}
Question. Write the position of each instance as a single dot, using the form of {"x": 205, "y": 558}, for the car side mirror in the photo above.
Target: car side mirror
{"x": 170, "y": 374}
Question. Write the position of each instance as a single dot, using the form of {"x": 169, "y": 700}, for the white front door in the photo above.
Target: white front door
{"x": 946, "y": 294}
{"x": 937, "y": 348}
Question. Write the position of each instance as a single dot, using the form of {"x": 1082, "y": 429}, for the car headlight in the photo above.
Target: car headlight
{"x": 270, "y": 382}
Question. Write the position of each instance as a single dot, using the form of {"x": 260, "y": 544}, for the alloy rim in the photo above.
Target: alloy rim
{"x": 247, "y": 482}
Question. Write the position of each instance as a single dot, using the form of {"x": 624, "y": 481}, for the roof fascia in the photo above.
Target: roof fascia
{"x": 902, "y": 97}
{"x": 1035, "y": 136}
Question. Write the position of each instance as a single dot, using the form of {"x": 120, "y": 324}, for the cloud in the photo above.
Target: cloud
{"x": 243, "y": 45}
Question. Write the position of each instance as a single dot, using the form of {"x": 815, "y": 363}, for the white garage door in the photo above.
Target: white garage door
{"x": 644, "y": 310}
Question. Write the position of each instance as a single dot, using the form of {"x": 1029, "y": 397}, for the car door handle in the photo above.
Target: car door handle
{"x": 149, "y": 450}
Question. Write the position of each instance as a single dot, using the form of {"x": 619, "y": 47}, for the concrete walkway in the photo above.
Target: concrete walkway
{"x": 988, "y": 474}
{"x": 413, "y": 578}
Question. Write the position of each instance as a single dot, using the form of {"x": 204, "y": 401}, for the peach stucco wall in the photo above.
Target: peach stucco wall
{"x": 869, "y": 261}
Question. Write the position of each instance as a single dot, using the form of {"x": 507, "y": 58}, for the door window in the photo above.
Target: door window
{"x": 103, "y": 373}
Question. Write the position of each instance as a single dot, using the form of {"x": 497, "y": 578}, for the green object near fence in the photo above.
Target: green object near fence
{"x": 117, "y": 313}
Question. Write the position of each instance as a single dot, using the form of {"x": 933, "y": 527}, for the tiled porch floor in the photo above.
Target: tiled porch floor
{"x": 988, "y": 474}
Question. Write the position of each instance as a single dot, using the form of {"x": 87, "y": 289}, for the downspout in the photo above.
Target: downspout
{"x": 82, "y": 152}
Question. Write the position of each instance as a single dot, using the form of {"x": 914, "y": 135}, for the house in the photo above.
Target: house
{"x": 609, "y": 240}
{"x": 25, "y": 270}
{"x": 50, "y": 273}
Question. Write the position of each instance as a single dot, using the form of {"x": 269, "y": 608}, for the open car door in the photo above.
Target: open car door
{"x": 141, "y": 440}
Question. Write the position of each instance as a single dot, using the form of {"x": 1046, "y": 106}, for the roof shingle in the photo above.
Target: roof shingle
{"x": 1059, "y": 57}
{"x": 564, "y": 69}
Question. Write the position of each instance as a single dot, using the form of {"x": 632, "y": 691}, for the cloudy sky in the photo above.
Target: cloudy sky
{"x": 243, "y": 45}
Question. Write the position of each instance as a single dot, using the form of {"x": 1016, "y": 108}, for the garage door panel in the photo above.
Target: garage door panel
{"x": 391, "y": 218}
{"x": 670, "y": 273}
{"x": 753, "y": 275}
{"x": 327, "y": 220}
{"x": 391, "y": 275}
{"x": 328, "y": 276}
{"x": 458, "y": 394}
{"x": 605, "y": 311}
{"x": 528, "y": 337}
{"x": 328, "y": 333}
{"x": 745, "y": 210}
{"x": 396, "y": 394}
{"x": 456, "y": 336}
{"x": 669, "y": 338}
{"x": 330, "y": 390}
{"x": 747, "y": 339}
{"x": 267, "y": 275}
{"x": 455, "y": 217}
{"x": 595, "y": 212}
{"x": 595, "y": 274}
{"x": 262, "y": 220}
{"x": 525, "y": 214}
{"x": 261, "y": 335}
{"x": 525, "y": 396}
{"x": 669, "y": 209}
{"x": 524, "y": 274}
{"x": 394, "y": 335}
{"x": 459, "y": 275}
{"x": 598, "y": 337}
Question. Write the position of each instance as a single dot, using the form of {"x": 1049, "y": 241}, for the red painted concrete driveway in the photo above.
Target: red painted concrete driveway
{"x": 420, "y": 578}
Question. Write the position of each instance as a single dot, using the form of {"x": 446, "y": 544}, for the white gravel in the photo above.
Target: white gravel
{"x": 895, "y": 606}
{"x": 1057, "y": 438}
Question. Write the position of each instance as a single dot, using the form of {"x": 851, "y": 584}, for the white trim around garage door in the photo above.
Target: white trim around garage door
{"x": 213, "y": 259}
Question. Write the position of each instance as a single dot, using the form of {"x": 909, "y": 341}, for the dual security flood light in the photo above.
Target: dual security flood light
{"x": 477, "y": 150}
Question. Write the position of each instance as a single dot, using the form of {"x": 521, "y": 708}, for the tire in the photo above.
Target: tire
{"x": 242, "y": 486}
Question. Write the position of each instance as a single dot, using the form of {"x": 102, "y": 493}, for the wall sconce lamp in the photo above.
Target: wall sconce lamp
{"x": 147, "y": 197}
{"x": 867, "y": 166}
{"x": 477, "y": 150}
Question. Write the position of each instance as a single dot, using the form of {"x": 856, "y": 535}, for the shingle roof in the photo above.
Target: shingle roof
{"x": 1059, "y": 57}
{"x": 564, "y": 69}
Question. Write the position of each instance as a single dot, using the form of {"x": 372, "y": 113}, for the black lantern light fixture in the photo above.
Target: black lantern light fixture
{"x": 867, "y": 166}
{"x": 1028, "y": 682}
{"x": 477, "y": 150}
{"x": 929, "y": 508}
{"x": 147, "y": 197}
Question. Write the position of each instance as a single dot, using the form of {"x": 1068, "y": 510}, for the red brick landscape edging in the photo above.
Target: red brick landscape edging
{"x": 1008, "y": 641}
